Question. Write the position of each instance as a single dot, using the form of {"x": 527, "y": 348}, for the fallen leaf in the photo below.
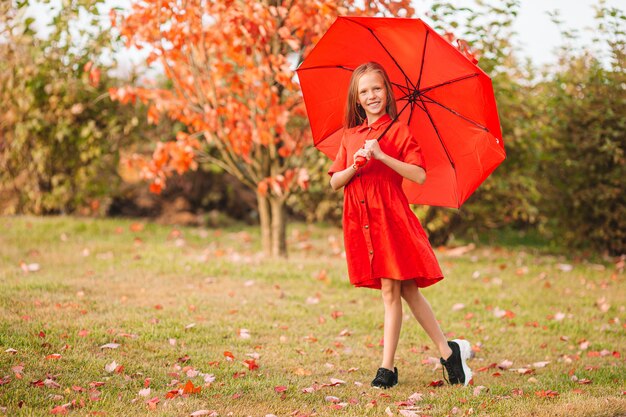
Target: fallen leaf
{"x": 199, "y": 413}
{"x": 189, "y": 388}
{"x": 547, "y": 393}
{"x": 110, "y": 367}
{"x": 110, "y": 346}
{"x": 505, "y": 364}
{"x": 152, "y": 403}
{"x": 145, "y": 392}
{"x": 50, "y": 383}
{"x": 540, "y": 364}
{"x": 436, "y": 383}
{"x": 280, "y": 388}
{"x": 332, "y": 399}
{"x": 250, "y": 364}
{"x": 54, "y": 356}
{"x": 60, "y": 409}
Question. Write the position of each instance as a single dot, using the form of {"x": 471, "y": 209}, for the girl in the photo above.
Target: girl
{"x": 386, "y": 247}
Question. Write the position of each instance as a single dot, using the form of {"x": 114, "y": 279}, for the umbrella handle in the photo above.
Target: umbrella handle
{"x": 360, "y": 161}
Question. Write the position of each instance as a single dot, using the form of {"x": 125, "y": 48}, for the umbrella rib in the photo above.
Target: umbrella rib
{"x": 419, "y": 80}
{"x": 432, "y": 122}
{"x": 326, "y": 66}
{"x": 386, "y": 50}
{"x": 465, "y": 77}
{"x": 456, "y": 113}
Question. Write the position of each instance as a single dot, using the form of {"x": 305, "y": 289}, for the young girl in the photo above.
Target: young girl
{"x": 386, "y": 247}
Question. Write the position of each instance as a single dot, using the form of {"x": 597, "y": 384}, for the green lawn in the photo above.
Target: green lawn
{"x": 94, "y": 312}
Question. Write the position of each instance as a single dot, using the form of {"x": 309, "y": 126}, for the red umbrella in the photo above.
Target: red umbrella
{"x": 445, "y": 99}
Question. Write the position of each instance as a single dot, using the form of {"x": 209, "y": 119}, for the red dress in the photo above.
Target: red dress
{"x": 382, "y": 236}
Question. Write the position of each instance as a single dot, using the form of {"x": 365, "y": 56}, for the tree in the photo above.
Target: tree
{"x": 586, "y": 151}
{"x": 59, "y": 141}
{"x": 231, "y": 64}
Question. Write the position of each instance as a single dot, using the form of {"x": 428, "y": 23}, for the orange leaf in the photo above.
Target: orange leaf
{"x": 189, "y": 388}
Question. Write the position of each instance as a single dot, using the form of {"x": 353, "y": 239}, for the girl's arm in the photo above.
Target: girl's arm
{"x": 409, "y": 171}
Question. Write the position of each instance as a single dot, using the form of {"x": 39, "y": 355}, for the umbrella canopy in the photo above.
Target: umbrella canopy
{"x": 445, "y": 99}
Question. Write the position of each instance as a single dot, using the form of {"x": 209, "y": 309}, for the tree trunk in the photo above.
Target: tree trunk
{"x": 279, "y": 228}
{"x": 266, "y": 224}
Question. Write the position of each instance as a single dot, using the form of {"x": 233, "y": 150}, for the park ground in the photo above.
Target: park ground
{"x": 128, "y": 318}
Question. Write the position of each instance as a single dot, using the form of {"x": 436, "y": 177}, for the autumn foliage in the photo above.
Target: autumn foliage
{"x": 232, "y": 69}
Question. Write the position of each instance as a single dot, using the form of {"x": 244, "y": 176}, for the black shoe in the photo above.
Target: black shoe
{"x": 385, "y": 378}
{"x": 456, "y": 364}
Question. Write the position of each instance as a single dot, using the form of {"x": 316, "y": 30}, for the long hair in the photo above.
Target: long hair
{"x": 355, "y": 114}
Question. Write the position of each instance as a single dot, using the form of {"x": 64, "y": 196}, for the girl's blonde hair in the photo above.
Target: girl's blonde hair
{"x": 355, "y": 114}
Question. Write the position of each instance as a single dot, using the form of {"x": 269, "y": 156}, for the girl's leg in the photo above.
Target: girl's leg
{"x": 424, "y": 314}
{"x": 391, "y": 291}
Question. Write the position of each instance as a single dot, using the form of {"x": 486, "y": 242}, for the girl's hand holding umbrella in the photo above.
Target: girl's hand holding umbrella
{"x": 361, "y": 157}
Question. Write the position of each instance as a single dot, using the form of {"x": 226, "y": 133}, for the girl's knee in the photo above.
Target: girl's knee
{"x": 391, "y": 289}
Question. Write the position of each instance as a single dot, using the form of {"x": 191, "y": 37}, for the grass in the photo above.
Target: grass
{"x": 176, "y": 299}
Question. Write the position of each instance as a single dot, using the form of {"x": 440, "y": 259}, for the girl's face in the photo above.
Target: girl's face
{"x": 372, "y": 95}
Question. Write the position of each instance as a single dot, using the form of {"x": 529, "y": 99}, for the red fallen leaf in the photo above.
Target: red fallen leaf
{"x": 229, "y": 356}
{"x": 236, "y": 395}
{"x": 593, "y": 354}
{"x": 59, "y": 409}
{"x": 94, "y": 394}
{"x": 172, "y": 394}
{"x": 336, "y": 314}
{"x": 280, "y": 388}
{"x": 5, "y": 380}
{"x": 496, "y": 374}
{"x": 584, "y": 381}
{"x": 517, "y": 392}
{"x": 96, "y": 384}
{"x": 78, "y": 388}
{"x": 239, "y": 374}
{"x": 486, "y": 368}
{"x": 37, "y": 383}
{"x": 158, "y": 307}
{"x": 250, "y": 364}
{"x": 152, "y": 403}
{"x": 54, "y": 356}
{"x": 41, "y": 334}
{"x": 436, "y": 383}
{"x": 616, "y": 354}
{"x": 146, "y": 382}
{"x": 136, "y": 227}
{"x": 547, "y": 393}
{"x": 189, "y": 388}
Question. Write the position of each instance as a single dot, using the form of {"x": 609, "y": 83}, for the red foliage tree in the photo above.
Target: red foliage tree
{"x": 231, "y": 64}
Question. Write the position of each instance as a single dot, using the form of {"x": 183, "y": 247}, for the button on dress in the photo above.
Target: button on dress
{"x": 382, "y": 236}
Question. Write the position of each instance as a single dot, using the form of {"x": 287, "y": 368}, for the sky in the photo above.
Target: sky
{"x": 537, "y": 35}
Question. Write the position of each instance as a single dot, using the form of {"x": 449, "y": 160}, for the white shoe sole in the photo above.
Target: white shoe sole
{"x": 466, "y": 354}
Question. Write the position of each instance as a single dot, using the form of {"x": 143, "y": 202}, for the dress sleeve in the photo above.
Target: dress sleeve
{"x": 340, "y": 162}
{"x": 412, "y": 153}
